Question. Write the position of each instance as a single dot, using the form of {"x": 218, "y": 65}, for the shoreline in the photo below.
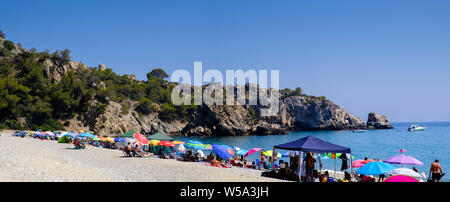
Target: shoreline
{"x": 33, "y": 160}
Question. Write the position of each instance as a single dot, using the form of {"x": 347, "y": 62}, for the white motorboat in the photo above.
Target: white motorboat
{"x": 416, "y": 128}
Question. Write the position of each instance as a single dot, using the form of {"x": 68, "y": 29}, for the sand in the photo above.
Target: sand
{"x": 33, "y": 160}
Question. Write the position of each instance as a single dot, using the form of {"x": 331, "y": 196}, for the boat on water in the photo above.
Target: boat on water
{"x": 359, "y": 131}
{"x": 416, "y": 128}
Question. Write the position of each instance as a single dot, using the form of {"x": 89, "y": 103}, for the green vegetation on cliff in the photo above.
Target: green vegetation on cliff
{"x": 30, "y": 99}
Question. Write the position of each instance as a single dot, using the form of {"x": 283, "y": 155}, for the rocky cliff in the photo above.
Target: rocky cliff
{"x": 297, "y": 111}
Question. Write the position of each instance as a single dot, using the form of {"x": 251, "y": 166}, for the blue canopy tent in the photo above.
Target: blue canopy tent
{"x": 313, "y": 145}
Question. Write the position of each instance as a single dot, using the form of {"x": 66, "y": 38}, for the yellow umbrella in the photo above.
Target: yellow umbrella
{"x": 270, "y": 153}
{"x": 109, "y": 139}
{"x": 154, "y": 142}
{"x": 178, "y": 142}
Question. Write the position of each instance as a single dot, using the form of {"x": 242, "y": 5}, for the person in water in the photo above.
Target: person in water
{"x": 436, "y": 171}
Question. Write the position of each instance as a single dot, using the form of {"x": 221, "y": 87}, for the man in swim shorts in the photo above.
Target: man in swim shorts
{"x": 436, "y": 171}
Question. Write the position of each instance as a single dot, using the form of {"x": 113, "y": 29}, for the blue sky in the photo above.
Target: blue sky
{"x": 390, "y": 57}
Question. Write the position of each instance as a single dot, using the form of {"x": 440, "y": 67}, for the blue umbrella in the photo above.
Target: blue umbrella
{"x": 118, "y": 139}
{"x": 226, "y": 147}
{"x": 88, "y": 135}
{"x": 194, "y": 142}
{"x": 68, "y": 134}
{"x": 375, "y": 168}
{"x": 220, "y": 151}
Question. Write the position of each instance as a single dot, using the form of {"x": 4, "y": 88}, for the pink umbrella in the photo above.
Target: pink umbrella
{"x": 401, "y": 178}
{"x": 404, "y": 160}
{"x": 252, "y": 151}
{"x": 357, "y": 164}
{"x": 361, "y": 163}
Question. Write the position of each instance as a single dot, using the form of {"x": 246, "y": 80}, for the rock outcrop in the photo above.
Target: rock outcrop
{"x": 315, "y": 114}
{"x": 216, "y": 120}
{"x": 296, "y": 113}
{"x": 115, "y": 121}
{"x": 378, "y": 121}
{"x": 54, "y": 72}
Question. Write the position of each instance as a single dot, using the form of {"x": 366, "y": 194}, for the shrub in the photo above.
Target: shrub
{"x": 145, "y": 106}
{"x": 9, "y": 45}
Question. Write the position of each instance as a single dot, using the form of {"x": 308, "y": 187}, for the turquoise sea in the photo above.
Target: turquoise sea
{"x": 425, "y": 146}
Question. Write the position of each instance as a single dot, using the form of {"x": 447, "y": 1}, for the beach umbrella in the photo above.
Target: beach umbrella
{"x": 252, "y": 151}
{"x": 226, "y": 147}
{"x": 231, "y": 152}
{"x": 357, "y": 164}
{"x": 88, "y": 135}
{"x": 404, "y": 160}
{"x": 405, "y": 171}
{"x": 49, "y": 133}
{"x": 96, "y": 139}
{"x": 154, "y": 142}
{"x": 178, "y": 142}
{"x": 108, "y": 139}
{"x": 401, "y": 178}
{"x": 236, "y": 148}
{"x": 368, "y": 161}
{"x": 270, "y": 153}
{"x": 194, "y": 142}
{"x": 200, "y": 153}
{"x": 375, "y": 168}
{"x": 241, "y": 152}
{"x": 166, "y": 144}
{"x": 141, "y": 138}
{"x": 220, "y": 151}
{"x": 208, "y": 147}
{"x": 119, "y": 139}
{"x": 180, "y": 148}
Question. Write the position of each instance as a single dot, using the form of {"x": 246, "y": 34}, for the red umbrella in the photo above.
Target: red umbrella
{"x": 231, "y": 152}
{"x": 368, "y": 161}
{"x": 141, "y": 138}
{"x": 166, "y": 144}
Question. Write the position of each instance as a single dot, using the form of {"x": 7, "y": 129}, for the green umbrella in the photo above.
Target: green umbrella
{"x": 128, "y": 134}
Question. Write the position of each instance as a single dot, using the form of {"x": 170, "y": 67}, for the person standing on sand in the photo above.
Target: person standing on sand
{"x": 436, "y": 171}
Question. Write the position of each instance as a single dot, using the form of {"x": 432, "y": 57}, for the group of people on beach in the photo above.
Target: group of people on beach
{"x": 273, "y": 166}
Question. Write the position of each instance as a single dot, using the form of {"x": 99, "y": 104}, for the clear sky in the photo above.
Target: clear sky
{"x": 390, "y": 57}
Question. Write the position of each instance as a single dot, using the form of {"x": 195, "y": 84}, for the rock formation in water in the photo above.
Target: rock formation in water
{"x": 378, "y": 121}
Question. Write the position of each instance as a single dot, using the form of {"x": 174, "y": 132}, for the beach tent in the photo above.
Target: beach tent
{"x": 128, "y": 134}
{"x": 160, "y": 137}
{"x": 64, "y": 139}
{"x": 314, "y": 145}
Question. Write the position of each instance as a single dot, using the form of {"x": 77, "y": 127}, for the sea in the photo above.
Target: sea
{"x": 426, "y": 146}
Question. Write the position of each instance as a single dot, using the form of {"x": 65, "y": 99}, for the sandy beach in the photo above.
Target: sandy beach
{"x": 33, "y": 160}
